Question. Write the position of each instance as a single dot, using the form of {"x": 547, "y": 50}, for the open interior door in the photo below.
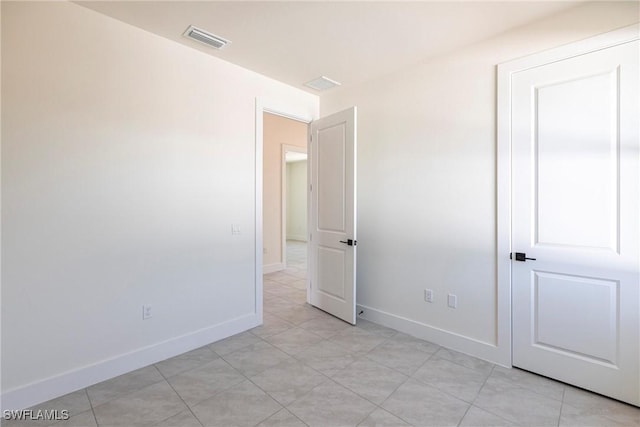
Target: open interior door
{"x": 332, "y": 215}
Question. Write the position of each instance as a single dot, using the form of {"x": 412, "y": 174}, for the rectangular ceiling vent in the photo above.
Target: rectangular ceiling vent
{"x": 322, "y": 83}
{"x": 205, "y": 37}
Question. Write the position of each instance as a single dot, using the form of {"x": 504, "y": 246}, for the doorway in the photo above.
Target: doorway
{"x": 284, "y": 146}
{"x": 295, "y": 206}
{"x": 284, "y": 211}
{"x": 330, "y": 283}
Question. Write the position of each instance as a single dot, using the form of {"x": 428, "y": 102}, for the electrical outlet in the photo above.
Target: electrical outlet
{"x": 146, "y": 312}
{"x": 428, "y": 295}
{"x": 452, "y": 301}
{"x": 235, "y": 228}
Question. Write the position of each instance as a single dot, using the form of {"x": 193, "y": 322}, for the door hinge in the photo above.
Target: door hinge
{"x": 310, "y": 187}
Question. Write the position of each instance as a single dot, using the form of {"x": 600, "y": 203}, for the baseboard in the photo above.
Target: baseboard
{"x": 272, "y": 268}
{"x": 461, "y": 343}
{"x": 59, "y": 385}
{"x": 297, "y": 237}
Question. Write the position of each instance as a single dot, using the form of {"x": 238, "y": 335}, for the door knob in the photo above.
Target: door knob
{"x": 521, "y": 256}
{"x": 349, "y": 242}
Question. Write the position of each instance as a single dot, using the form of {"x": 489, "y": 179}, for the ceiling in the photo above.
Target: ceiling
{"x": 348, "y": 41}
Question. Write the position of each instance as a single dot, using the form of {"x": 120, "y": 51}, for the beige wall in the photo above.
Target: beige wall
{"x": 126, "y": 158}
{"x": 427, "y": 178}
{"x": 297, "y": 200}
{"x": 278, "y": 131}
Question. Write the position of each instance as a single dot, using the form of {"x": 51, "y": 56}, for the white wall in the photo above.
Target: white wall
{"x": 297, "y": 200}
{"x": 126, "y": 158}
{"x": 426, "y": 182}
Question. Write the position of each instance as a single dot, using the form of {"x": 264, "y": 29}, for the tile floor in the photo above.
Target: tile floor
{"x": 304, "y": 367}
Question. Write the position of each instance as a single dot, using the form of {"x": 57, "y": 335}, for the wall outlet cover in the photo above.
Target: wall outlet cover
{"x": 452, "y": 301}
{"x": 428, "y": 295}
{"x": 146, "y": 312}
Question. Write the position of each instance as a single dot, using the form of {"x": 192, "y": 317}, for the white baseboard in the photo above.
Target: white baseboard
{"x": 297, "y": 237}
{"x": 461, "y": 343}
{"x": 59, "y": 385}
{"x": 272, "y": 268}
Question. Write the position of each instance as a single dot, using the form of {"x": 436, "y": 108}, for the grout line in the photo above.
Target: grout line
{"x": 564, "y": 390}
{"x": 483, "y": 384}
{"x": 465, "y": 414}
{"x": 395, "y": 415}
{"x": 298, "y": 418}
{"x": 185, "y": 404}
{"x": 375, "y": 407}
{"x": 357, "y": 394}
{"x": 394, "y": 390}
{"x": 493, "y": 365}
{"x": 265, "y": 392}
{"x": 388, "y": 367}
{"x": 532, "y": 389}
{"x": 200, "y": 365}
{"x": 485, "y": 409}
{"x": 120, "y": 396}
{"x": 86, "y": 392}
{"x": 303, "y": 395}
{"x": 441, "y": 390}
{"x": 500, "y": 416}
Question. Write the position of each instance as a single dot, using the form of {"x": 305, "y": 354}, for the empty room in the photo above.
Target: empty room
{"x": 330, "y": 213}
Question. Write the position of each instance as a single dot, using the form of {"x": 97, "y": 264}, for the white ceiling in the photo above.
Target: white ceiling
{"x": 348, "y": 41}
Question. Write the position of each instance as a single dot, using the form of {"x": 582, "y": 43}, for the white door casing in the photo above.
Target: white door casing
{"x": 332, "y": 214}
{"x": 575, "y": 208}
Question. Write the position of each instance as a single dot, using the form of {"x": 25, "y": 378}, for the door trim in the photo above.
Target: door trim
{"x": 290, "y": 111}
{"x": 503, "y": 168}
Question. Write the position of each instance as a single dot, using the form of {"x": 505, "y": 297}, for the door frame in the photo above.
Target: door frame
{"x": 291, "y": 111}
{"x": 503, "y": 168}
{"x": 283, "y": 192}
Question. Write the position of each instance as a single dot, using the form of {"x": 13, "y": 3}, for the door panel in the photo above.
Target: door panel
{"x": 331, "y": 269}
{"x": 577, "y": 118}
{"x": 331, "y": 178}
{"x": 586, "y": 327}
{"x": 332, "y": 211}
{"x": 575, "y": 195}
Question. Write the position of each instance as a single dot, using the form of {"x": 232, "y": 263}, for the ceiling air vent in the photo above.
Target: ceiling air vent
{"x": 205, "y": 37}
{"x": 322, "y": 83}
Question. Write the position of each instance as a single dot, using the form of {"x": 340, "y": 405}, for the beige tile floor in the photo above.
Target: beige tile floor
{"x": 304, "y": 367}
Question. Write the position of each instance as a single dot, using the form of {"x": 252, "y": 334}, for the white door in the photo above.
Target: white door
{"x": 575, "y": 192}
{"x": 332, "y": 214}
